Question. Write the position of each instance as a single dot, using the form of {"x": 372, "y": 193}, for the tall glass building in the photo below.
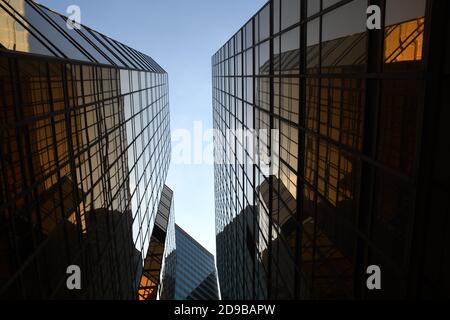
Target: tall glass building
{"x": 351, "y": 126}
{"x": 84, "y": 153}
{"x": 150, "y": 283}
{"x": 189, "y": 272}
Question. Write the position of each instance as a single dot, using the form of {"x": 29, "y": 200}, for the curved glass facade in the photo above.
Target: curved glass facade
{"x": 85, "y": 149}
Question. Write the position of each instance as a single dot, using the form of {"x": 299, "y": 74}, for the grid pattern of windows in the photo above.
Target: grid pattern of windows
{"x": 158, "y": 249}
{"x": 85, "y": 149}
{"x": 191, "y": 269}
{"x": 348, "y": 105}
{"x": 168, "y": 272}
{"x": 28, "y": 27}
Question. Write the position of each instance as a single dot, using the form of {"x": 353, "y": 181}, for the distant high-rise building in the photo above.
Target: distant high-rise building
{"x": 189, "y": 270}
{"x": 151, "y": 275}
{"x": 84, "y": 154}
{"x": 350, "y": 123}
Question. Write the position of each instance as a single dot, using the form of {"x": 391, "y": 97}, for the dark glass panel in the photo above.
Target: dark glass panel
{"x": 341, "y": 111}
{"x": 334, "y": 252}
{"x": 57, "y": 39}
{"x": 289, "y": 99}
{"x": 312, "y": 46}
{"x": 87, "y": 33}
{"x": 290, "y": 13}
{"x": 335, "y": 26}
{"x": 107, "y": 44}
{"x": 276, "y": 16}
{"x": 290, "y": 42}
{"x": 329, "y": 3}
{"x": 313, "y": 7}
{"x": 393, "y": 203}
{"x": 129, "y": 53}
{"x": 264, "y": 58}
{"x": 248, "y": 35}
{"x": 398, "y": 124}
{"x": 264, "y": 23}
{"x": 15, "y": 37}
{"x": 61, "y": 22}
{"x": 238, "y": 45}
{"x": 398, "y": 11}
{"x": 124, "y": 52}
{"x": 344, "y": 40}
{"x": 312, "y": 91}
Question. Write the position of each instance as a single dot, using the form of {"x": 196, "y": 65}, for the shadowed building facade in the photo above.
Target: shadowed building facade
{"x": 189, "y": 270}
{"x": 355, "y": 120}
{"x": 150, "y": 281}
{"x": 84, "y": 154}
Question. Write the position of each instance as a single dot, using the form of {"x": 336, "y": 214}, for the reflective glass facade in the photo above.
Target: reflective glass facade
{"x": 189, "y": 270}
{"x": 159, "y": 244}
{"x": 84, "y": 153}
{"x": 360, "y": 178}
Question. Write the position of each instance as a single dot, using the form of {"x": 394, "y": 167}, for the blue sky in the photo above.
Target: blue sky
{"x": 181, "y": 36}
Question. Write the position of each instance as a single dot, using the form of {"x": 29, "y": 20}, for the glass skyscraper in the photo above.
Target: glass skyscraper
{"x": 150, "y": 282}
{"x": 189, "y": 271}
{"x": 84, "y": 153}
{"x": 352, "y": 124}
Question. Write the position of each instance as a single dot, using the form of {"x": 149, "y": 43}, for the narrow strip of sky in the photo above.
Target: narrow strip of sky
{"x": 181, "y": 36}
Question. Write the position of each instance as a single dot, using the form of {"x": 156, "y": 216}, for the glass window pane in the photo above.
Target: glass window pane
{"x": 404, "y": 35}
{"x": 403, "y": 10}
{"x": 276, "y": 16}
{"x": 334, "y": 26}
{"x": 290, "y": 40}
{"x": 312, "y": 43}
{"x": 143, "y": 59}
{"x": 248, "y": 35}
{"x": 14, "y": 36}
{"x": 344, "y": 40}
{"x": 264, "y": 23}
{"x": 313, "y": 7}
{"x": 105, "y": 41}
{"x": 129, "y": 54}
{"x": 328, "y": 3}
{"x": 51, "y": 33}
{"x": 121, "y": 50}
{"x": 87, "y": 33}
{"x": 264, "y": 58}
{"x": 60, "y": 21}
{"x": 290, "y": 13}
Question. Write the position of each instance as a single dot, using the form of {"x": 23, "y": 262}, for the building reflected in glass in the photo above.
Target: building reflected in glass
{"x": 84, "y": 153}
{"x": 360, "y": 179}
